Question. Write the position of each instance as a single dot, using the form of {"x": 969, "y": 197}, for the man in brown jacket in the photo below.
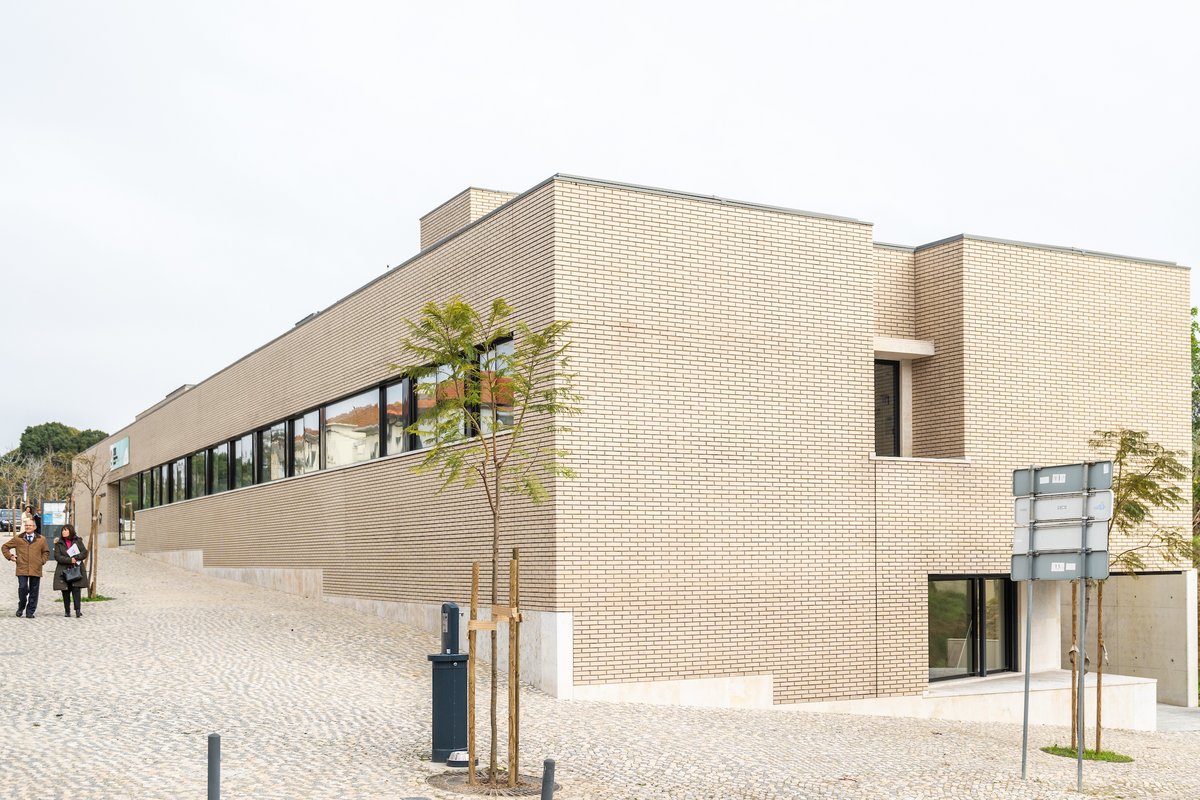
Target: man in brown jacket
{"x": 31, "y": 554}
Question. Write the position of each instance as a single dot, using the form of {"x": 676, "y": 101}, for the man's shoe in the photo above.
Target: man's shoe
{"x": 20, "y": 612}
{"x": 29, "y": 616}
{"x": 78, "y": 614}
{"x": 67, "y": 614}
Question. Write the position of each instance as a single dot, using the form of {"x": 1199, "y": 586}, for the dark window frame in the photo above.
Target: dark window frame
{"x": 896, "y": 412}
{"x": 407, "y": 420}
{"x": 290, "y": 432}
{"x": 176, "y": 490}
{"x": 191, "y": 470}
{"x": 212, "y": 467}
{"x": 480, "y": 352}
{"x": 979, "y": 622}
{"x": 261, "y": 449}
{"x": 235, "y": 478}
{"x": 382, "y": 412}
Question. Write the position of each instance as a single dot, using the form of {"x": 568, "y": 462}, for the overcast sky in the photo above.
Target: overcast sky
{"x": 181, "y": 182}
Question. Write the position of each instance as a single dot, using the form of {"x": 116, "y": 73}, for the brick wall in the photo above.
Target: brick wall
{"x": 376, "y": 529}
{"x": 720, "y": 523}
{"x": 895, "y": 288}
{"x": 729, "y": 518}
{"x": 460, "y": 211}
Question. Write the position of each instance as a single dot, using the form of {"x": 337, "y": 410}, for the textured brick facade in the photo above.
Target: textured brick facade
{"x": 458, "y": 212}
{"x": 730, "y": 517}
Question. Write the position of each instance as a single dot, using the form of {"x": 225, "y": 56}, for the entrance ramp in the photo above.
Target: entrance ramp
{"x": 1129, "y": 702}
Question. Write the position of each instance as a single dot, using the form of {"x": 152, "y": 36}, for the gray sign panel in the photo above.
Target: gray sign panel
{"x": 1060, "y": 566}
{"x": 1062, "y": 507}
{"x": 1062, "y": 537}
{"x": 1062, "y": 479}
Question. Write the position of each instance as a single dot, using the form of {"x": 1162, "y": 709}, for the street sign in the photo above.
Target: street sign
{"x": 1054, "y": 508}
{"x": 1060, "y": 566}
{"x": 1063, "y": 479}
{"x": 1068, "y": 508}
{"x": 1061, "y": 536}
{"x": 54, "y": 514}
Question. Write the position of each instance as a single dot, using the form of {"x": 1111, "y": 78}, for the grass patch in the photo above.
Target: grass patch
{"x": 95, "y": 598}
{"x": 1088, "y": 755}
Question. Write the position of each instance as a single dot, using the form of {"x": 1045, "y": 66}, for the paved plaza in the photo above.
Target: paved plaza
{"x": 314, "y": 700}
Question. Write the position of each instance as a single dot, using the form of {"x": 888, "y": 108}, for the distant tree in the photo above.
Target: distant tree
{"x": 36, "y": 477}
{"x": 89, "y": 438}
{"x": 40, "y": 440}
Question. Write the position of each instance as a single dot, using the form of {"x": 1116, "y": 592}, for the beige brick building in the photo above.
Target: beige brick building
{"x": 794, "y": 455}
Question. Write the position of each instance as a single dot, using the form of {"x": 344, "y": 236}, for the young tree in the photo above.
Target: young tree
{"x": 489, "y": 394}
{"x": 1195, "y": 429}
{"x": 1146, "y": 478}
{"x": 90, "y": 472}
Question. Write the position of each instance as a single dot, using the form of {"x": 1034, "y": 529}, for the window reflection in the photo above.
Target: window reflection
{"x": 451, "y": 426}
{"x": 199, "y": 473}
{"x": 495, "y": 388}
{"x": 129, "y": 507}
{"x": 179, "y": 478}
{"x": 273, "y": 447}
{"x": 397, "y": 417}
{"x": 887, "y": 408}
{"x": 218, "y": 458}
{"x": 352, "y": 429}
{"x": 970, "y": 626}
{"x": 243, "y": 462}
{"x": 951, "y": 646}
{"x": 306, "y": 447}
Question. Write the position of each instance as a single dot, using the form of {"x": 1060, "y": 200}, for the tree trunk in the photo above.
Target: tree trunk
{"x": 493, "y": 762}
{"x": 1099, "y": 655}
{"x": 1074, "y": 665}
{"x": 92, "y": 548}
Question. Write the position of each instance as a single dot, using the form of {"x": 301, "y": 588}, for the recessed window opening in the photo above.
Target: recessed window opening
{"x": 971, "y": 630}
{"x": 887, "y": 408}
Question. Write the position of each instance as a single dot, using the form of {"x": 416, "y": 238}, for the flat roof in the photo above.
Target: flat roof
{"x": 635, "y": 188}
{"x": 1055, "y": 247}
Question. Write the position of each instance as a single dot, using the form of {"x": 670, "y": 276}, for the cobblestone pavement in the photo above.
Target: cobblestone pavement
{"x": 315, "y": 700}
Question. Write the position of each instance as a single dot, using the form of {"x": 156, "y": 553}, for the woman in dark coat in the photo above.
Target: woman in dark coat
{"x": 70, "y": 591}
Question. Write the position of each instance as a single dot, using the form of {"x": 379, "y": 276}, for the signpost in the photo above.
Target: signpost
{"x": 1060, "y": 533}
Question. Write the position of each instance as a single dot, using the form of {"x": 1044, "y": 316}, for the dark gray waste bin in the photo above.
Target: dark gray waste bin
{"x": 449, "y": 690}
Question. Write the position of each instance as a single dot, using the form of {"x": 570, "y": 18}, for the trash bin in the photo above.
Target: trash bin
{"x": 449, "y": 690}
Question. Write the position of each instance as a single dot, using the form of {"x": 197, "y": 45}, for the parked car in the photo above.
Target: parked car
{"x": 7, "y": 517}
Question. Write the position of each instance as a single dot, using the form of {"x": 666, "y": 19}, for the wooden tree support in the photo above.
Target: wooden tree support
{"x": 472, "y": 631}
{"x": 514, "y": 669}
{"x": 510, "y": 614}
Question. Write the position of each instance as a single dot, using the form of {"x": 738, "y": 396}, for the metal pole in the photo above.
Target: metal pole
{"x": 214, "y": 767}
{"x": 548, "y": 779}
{"x": 1082, "y": 656}
{"x": 1028, "y": 625}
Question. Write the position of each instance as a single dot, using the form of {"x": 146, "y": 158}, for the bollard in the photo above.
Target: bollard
{"x": 214, "y": 767}
{"x": 548, "y": 779}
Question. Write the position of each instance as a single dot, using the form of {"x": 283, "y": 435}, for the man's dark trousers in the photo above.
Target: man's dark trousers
{"x": 28, "y": 587}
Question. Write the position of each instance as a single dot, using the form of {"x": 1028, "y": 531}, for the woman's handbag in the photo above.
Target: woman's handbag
{"x": 72, "y": 573}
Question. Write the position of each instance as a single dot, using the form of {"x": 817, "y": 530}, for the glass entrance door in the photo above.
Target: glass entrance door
{"x": 129, "y": 506}
{"x": 970, "y": 626}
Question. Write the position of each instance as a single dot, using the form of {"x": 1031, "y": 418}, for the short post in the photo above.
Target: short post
{"x": 214, "y": 767}
{"x": 548, "y": 779}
